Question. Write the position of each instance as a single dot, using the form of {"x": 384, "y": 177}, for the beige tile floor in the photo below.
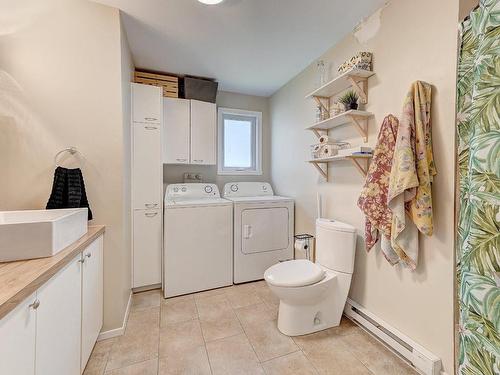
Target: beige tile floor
{"x": 233, "y": 331}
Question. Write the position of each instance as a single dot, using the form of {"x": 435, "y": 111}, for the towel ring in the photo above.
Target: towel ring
{"x": 72, "y": 150}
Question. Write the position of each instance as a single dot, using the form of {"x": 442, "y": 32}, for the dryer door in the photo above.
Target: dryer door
{"x": 264, "y": 229}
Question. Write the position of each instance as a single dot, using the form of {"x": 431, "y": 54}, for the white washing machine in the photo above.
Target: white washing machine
{"x": 198, "y": 232}
{"x": 263, "y": 228}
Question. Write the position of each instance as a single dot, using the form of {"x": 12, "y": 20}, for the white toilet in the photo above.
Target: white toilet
{"x": 313, "y": 295}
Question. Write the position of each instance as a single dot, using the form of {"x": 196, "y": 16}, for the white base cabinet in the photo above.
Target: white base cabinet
{"x": 58, "y": 322}
{"x": 92, "y": 297}
{"x": 53, "y": 331}
{"x": 17, "y": 339}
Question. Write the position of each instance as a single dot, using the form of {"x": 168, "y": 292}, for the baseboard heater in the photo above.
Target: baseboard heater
{"x": 421, "y": 359}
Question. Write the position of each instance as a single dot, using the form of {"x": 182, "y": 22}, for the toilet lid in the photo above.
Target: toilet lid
{"x": 300, "y": 272}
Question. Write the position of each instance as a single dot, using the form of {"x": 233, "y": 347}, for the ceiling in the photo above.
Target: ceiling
{"x": 249, "y": 46}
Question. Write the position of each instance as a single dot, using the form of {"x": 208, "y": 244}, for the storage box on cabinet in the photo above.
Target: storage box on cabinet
{"x": 51, "y": 331}
{"x": 190, "y": 128}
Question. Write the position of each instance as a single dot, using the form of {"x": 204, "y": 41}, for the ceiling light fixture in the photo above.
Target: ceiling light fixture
{"x": 211, "y": 2}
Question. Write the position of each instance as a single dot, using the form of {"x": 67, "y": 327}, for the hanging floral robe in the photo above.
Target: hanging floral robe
{"x": 373, "y": 198}
{"x": 412, "y": 172}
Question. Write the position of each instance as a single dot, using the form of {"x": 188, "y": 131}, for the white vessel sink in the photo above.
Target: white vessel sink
{"x": 39, "y": 233}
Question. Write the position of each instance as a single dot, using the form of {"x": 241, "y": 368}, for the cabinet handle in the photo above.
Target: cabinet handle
{"x": 181, "y": 160}
{"x": 151, "y": 214}
{"x": 81, "y": 260}
{"x": 88, "y": 255}
{"x": 198, "y": 160}
{"x": 35, "y": 304}
{"x": 151, "y": 205}
{"x": 150, "y": 119}
{"x": 150, "y": 127}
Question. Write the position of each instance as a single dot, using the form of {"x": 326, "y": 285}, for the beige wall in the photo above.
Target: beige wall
{"x": 174, "y": 173}
{"x": 412, "y": 40}
{"x": 466, "y": 6}
{"x": 60, "y": 86}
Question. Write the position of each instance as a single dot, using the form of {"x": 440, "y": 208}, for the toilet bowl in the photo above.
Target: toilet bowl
{"x": 313, "y": 295}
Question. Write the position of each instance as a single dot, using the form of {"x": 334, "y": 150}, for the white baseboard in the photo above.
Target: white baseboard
{"x": 117, "y": 331}
{"x": 421, "y": 359}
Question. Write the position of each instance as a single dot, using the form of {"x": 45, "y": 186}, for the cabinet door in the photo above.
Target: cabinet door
{"x": 147, "y": 180}
{"x": 147, "y": 248}
{"x": 203, "y": 133}
{"x": 92, "y": 302}
{"x": 17, "y": 340}
{"x": 176, "y": 131}
{"x": 146, "y": 103}
{"x": 58, "y": 327}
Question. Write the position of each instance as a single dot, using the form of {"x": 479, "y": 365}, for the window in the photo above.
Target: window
{"x": 240, "y": 138}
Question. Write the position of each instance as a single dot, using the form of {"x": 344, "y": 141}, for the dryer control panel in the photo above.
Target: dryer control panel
{"x": 191, "y": 191}
{"x": 247, "y": 189}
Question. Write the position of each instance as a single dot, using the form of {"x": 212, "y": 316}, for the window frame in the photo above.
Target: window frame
{"x": 255, "y": 170}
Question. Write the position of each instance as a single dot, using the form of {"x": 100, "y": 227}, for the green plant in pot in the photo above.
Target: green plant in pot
{"x": 349, "y": 100}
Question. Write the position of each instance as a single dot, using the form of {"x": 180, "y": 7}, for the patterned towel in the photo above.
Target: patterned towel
{"x": 68, "y": 190}
{"x": 411, "y": 175}
{"x": 373, "y": 198}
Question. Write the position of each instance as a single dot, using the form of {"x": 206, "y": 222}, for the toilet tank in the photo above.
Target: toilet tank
{"x": 335, "y": 245}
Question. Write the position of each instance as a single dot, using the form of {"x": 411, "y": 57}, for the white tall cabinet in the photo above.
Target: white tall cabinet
{"x": 190, "y": 132}
{"x": 147, "y": 183}
{"x": 54, "y": 330}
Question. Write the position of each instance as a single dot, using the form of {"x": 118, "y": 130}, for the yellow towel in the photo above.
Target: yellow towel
{"x": 411, "y": 175}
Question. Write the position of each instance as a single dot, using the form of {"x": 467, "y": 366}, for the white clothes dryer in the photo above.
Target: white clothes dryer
{"x": 263, "y": 229}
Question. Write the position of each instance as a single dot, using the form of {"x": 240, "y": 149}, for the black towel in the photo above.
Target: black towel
{"x": 68, "y": 190}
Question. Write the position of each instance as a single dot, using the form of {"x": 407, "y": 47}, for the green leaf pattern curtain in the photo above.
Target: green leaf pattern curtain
{"x": 478, "y": 237}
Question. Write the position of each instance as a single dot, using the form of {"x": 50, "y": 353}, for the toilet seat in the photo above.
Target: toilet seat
{"x": 294, "y": 273}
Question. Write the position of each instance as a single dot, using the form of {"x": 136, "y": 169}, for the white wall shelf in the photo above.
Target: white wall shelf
{"x": 359, "y": 119}
{"x": 358, "y": 160}
{"x": 355, "y": 78}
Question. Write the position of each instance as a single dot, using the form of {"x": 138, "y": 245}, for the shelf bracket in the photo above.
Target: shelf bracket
{"x": 322, "y": 171}
{"x": 361, "y": 125}
{"x": 359, "y": 167}
{"x": 323, "y": 102}
{"x": 317, "y": 133}
{"x": 362, "y": 90}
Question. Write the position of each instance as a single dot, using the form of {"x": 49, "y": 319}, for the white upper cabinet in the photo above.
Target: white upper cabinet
{"x": 58, "y": 332}
{"x": 146, "y": 103}
{"x": 146, "y": 166}
{"x": 176, "y": 131}
{"x": 17, "y": 339}
{"x": 203, "y": 133}
{"x": 189, "y": 132}
{"x": 92, "y": 297}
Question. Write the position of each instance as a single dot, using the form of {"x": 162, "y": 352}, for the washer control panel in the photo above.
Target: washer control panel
{"x": 247, "y": 189}
{"x": 191, "y": 191}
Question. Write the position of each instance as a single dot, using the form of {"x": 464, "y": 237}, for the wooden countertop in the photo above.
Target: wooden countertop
{"x": 19, "y": 279}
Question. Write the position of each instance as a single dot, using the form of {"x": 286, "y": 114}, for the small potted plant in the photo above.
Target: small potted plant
{"x": 349, "y": 100}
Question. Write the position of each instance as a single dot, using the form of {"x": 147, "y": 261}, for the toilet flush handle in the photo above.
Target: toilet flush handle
{"x": 247, "y": 231}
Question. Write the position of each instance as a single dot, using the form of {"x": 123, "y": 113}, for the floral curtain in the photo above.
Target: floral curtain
{"x": 478, "y": 237}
